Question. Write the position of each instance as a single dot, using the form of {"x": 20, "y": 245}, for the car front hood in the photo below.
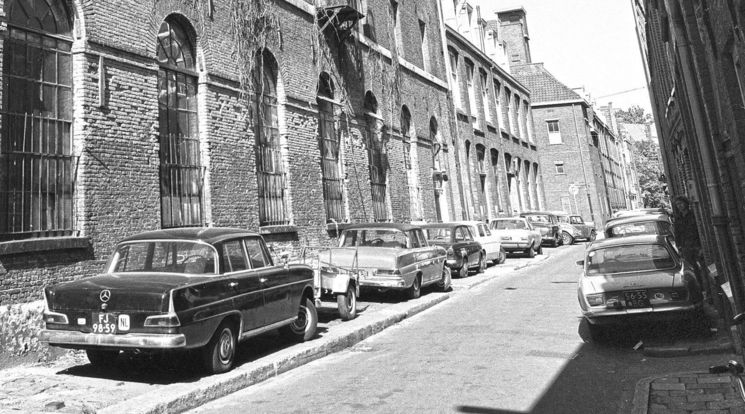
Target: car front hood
{"x": 127, "y": 292}
{"x": 630, "y": 281}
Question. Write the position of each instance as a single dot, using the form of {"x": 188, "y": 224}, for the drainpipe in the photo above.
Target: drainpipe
{"x": 582, "y": 165}
{"x": 456, "y": 139}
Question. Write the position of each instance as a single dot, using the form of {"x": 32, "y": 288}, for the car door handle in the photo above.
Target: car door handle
{"x": 263, "y": 280}
{"x": 233, "y": 285}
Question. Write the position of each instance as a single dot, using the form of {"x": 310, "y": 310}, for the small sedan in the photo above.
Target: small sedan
{"x": 463, "y": 251}
{"x": 573, "y": 228}
{"x": 199, "y": 289}
{"x": 639, "y": 224}
{"x": 517, "y": 235}
{"x": 393, "y": 256}
{"x": 491, "y": 243}
{"x": 633, "y": 279}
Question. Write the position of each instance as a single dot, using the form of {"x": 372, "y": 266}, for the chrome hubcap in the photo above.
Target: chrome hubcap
{"x": 226, "y": 347}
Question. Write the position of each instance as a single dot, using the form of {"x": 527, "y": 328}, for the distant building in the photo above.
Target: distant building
{"x": 580, "y": 152}
{"x": 498, "y": 164}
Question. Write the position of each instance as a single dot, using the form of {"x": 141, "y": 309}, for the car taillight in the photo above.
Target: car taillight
{"x": 597, "y": 299}
{"x": 52, "y": 317}
{"x": 169, "y": 320}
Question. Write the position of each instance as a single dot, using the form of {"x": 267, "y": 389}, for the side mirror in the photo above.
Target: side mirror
{"x": 580, "y": 262}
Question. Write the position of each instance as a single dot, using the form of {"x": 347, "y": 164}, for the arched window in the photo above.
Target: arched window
{"x": 269, "y": 166}
{"x": 328, "y": 139}
{"x": 181, "y": 172}
{"x": 36, "y": 163}
{"x": 378, "y": 160}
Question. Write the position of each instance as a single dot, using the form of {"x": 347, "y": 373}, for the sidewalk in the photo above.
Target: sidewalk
{"x": 694, "y": 391}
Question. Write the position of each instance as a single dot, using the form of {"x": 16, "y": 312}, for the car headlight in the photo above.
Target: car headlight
{"x": 597, "y": 299}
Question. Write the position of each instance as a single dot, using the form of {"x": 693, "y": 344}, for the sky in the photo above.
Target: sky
{"x": 585, "y": 43}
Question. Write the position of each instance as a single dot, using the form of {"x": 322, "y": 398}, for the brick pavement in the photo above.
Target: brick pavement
{"x": 688, "y": 392}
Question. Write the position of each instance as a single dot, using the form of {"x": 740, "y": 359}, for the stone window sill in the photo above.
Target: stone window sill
{"x": 45, "y": 244}
{"x": 277, "y": 229}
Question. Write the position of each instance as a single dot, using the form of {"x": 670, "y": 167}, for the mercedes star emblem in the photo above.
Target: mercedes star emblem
{"x": 105, "y": 295}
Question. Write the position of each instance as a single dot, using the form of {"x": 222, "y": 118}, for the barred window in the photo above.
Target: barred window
{"x": 333, "y": 184}
{"x": 378, "y": 160}
{"x": 36, "y": 162}
{"x": 270, "y": 169}
{"x": 181, "y": 172}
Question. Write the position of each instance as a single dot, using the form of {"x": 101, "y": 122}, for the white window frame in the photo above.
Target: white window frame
{"x": 554, "y": 137}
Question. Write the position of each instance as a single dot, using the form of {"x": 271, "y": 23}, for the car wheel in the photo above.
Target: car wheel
{"x": 445, "y": 280}
{"x": 304, "y": 326}
{"x": 347, "y": 303}
{"x": 502, "y": 256}
{"x": 539, "y": 250}
{"x": 415, "y": 290}
{"x": 557, "y": 240}
{"x": 102, "y": 358}
{"x": 567, "y": 238}
{"x": 531, "y": 252}
{"x": 219, "y": 354}
{"x": 593, "y": 235}
{"x": 597, "y": 333}
{"x": 482, "y": 263}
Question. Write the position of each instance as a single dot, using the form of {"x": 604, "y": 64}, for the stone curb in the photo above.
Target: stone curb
{"x": 674, "y": 351}
{"x": 184, "y": 396}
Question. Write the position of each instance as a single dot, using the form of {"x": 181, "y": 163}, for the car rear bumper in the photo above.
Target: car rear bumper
{"x": 76, "y": 339}
{"x": 512, "y": 246}
{"x": 386, "y": 283}
{"x": 613, "y": 316}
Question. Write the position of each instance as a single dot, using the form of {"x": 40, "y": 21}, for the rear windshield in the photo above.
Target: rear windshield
{"x": 640, "y": 227}
{"x": 509, "y": 225}
{"x": 629, "y": 258}
{"x": 374, "y": 238}
{"x": 164, "y": 256}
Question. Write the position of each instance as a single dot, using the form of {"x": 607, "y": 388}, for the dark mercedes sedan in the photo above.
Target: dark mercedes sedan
{"x": 200, "y": 289}
{"x": 463, "y": 251}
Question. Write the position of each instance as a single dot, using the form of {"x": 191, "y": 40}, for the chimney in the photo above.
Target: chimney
{"x": 513, "y": 27}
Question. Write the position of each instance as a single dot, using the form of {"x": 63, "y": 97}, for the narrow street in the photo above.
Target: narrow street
{"x": 512, "y": 344}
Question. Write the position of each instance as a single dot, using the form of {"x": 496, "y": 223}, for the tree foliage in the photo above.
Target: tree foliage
{"x": 634, "y": 115}
{"x": 649, "y": 169}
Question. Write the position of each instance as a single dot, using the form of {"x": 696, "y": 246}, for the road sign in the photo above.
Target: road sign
{"x": 573, "y": 190}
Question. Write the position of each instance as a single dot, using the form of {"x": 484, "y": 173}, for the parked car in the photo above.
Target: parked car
{"x": 394, "y": 256}
{"x": 547, "y": 224}
{"x": 180, "y": 289}
{"x": 463, "y": 251}
{"x": 491, "y": 243}
{"x": 573, "y": 227}
{"x": 517, "y": 235}
{"x": 639, "y": 224}
{"x": 639, "y": 278}
{"x": 640, "y": 212}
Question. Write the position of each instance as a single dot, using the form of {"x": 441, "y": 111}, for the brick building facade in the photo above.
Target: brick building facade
{"x": 692, "y": 52}
{"x": 124, "y": 116}
{"x": 498, "y": 163}
{"x": 579, "y": 153}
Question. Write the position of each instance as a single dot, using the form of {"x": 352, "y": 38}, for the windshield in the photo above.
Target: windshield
{"x": 374, "y": 238}
{"x": 538, "y": 218}
{"x": 509, "y": 225}
{"x": 438, "y": 233}
{"x": 641, "y": 227}
{"x": 576, "y": 220}
{"x": 629, "y": 258}
{"x": 164, "y": 256}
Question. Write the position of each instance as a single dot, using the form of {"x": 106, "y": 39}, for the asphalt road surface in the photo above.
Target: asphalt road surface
{"x": 515, "y": 344}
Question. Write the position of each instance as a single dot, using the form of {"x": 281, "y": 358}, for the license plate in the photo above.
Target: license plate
{"x": 636, "y": 299}
{"x": 104, "y": 323}
{"x": 507, "y": 238}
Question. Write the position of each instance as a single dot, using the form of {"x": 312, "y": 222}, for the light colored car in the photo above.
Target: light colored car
{"x": 639, "y": 224}
{"x": 636, "y": 279}
{"x": 394, "y": 256}
{"x": 547, "y": 224}
{"x": 491, "y": 243}
{"x": 517, "y": 235}
{"x": 572, "y": 227}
